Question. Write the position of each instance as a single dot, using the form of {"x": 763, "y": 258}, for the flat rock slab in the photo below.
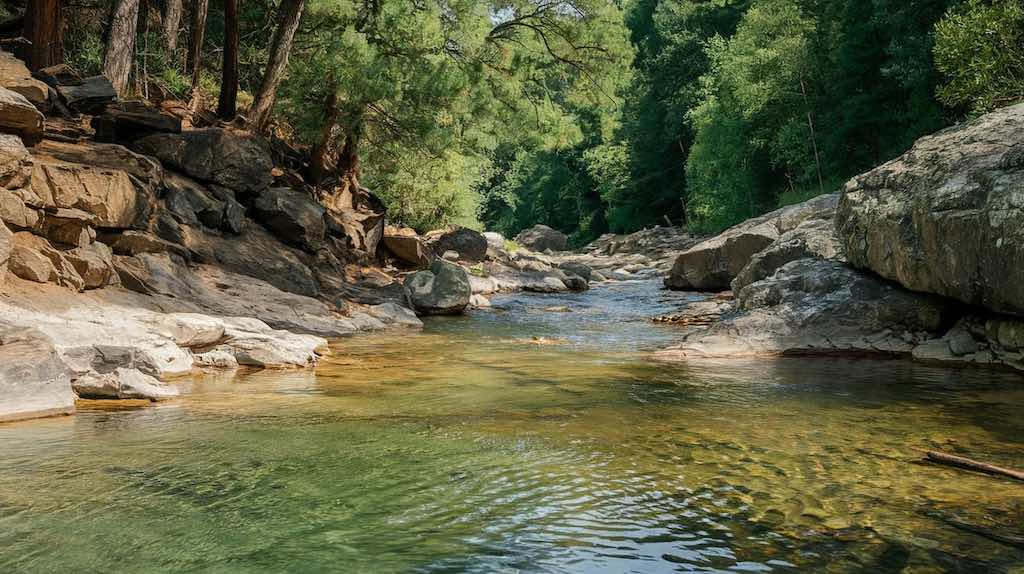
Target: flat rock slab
{"x": 33, "y": 380}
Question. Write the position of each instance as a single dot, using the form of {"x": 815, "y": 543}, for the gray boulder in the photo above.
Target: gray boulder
{"x": 712, "y": 264}
{"x": 812, "y": 306}
{"x": 470, "y": 245}
{"x": 444, "y": 289}
{"x": 33, "y": 380}
{"x": 946, "y": 217}
{"x": 122, "y": 383}
{"x": 494, "y": 240}
{"x": 541, "y": 238}
{"x": 88, "y": 96}
{"x": 292, "y": 216}
{"x": 577, "y": 268}
{"x": 235, "y": 159}
{"x": 813, "y": 237}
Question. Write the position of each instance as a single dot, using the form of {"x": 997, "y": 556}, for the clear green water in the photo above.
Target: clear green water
{"x": 468, "y": 448}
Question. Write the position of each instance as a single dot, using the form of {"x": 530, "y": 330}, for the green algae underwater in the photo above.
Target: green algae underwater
{"x": 468, "y": 447}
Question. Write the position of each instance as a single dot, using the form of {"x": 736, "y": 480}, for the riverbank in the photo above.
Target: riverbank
{"x": 916, "y": 259}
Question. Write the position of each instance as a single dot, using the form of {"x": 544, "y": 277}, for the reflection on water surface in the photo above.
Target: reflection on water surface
{"x": 470, "y": 448}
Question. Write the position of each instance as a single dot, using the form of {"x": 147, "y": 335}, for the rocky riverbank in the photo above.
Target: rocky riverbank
{"x": 920, "y": 257}
{"x": 136, "y": 247}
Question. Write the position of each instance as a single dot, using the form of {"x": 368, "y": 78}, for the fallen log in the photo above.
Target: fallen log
{"x": 966, "y": 463}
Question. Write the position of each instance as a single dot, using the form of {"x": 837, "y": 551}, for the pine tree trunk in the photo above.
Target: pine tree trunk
{"x": 345, "y": 195}
{"x": 226, "y": 106}
{"x": 171, "y": 22}
{"x": 199, "y": 11}
{"x": 44, "y": 28}
{"x": 290, "y": 15}
{"x": 117, "y": 61}
{"x": 318, "y": 161}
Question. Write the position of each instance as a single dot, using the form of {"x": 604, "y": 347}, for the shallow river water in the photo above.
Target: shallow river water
{"x": 471, "y": 447}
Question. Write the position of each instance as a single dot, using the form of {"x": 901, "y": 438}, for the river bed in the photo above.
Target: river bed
{"x": 528, "y": 439}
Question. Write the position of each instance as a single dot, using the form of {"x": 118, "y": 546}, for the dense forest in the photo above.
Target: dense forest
{"x": 587, "y": 115}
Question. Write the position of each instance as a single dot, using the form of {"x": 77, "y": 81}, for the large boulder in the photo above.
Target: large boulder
{"x": 193, "y": 204}
{"x": 33, "y": 380}
{"x": 712, "y": 264}
{"x": 126, "y": 122}
{"x": 813, "y": 236}
{"x": 34, "y": 259}
{"x": 234, "y": 159}
{"x": 409, "y": 250}
{"x": 14, "y": 76}
{"x": 541, "y": 238}
{"x": 109, "y": 195}
{"x": 292, "y": 216}
{"x": 946, "y": 217}
{"x": 495, "y": 240}
{"x": 94, "y": 264}
{"x": 145, "y": 170}
{"x": 19, "y": 116}
{"x": 814, "y": 306}
{"x": 444, "y": 289}
{"x": 470, "y": 245}
{"x": 15, "y": 162}
{"x": 89, "y": 95}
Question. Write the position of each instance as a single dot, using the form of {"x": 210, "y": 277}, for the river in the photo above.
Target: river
{"x": 526, "y": 440}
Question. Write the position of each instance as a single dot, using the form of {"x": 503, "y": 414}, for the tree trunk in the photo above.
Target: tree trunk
{"x": 44, "y": 28}
{"x": 117, "y": 62}
{"x": 290, "y": 15}
{"x": 199, "y": 10}
{"x": 814, "y": 137}
{"x": 171, "y": 23}
{"x": 345, "y": 196}
{"x": 317, "y": 163}
{"x": 226, "y": 106}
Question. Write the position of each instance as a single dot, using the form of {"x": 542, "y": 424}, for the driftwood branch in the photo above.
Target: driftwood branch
{"x": 966, "y": 463}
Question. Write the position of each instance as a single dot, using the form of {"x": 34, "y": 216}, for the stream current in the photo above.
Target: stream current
{"x": 522, "y": 439}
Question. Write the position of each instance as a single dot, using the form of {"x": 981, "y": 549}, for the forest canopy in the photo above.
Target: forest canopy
{"x": 586, "y": 115}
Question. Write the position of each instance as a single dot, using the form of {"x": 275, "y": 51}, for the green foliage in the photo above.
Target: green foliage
{"x": 84, "y": 51}
{"x": 595, "y": 116}
{"x": 752, "y": 126}
{"x": 980, "y": 50}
